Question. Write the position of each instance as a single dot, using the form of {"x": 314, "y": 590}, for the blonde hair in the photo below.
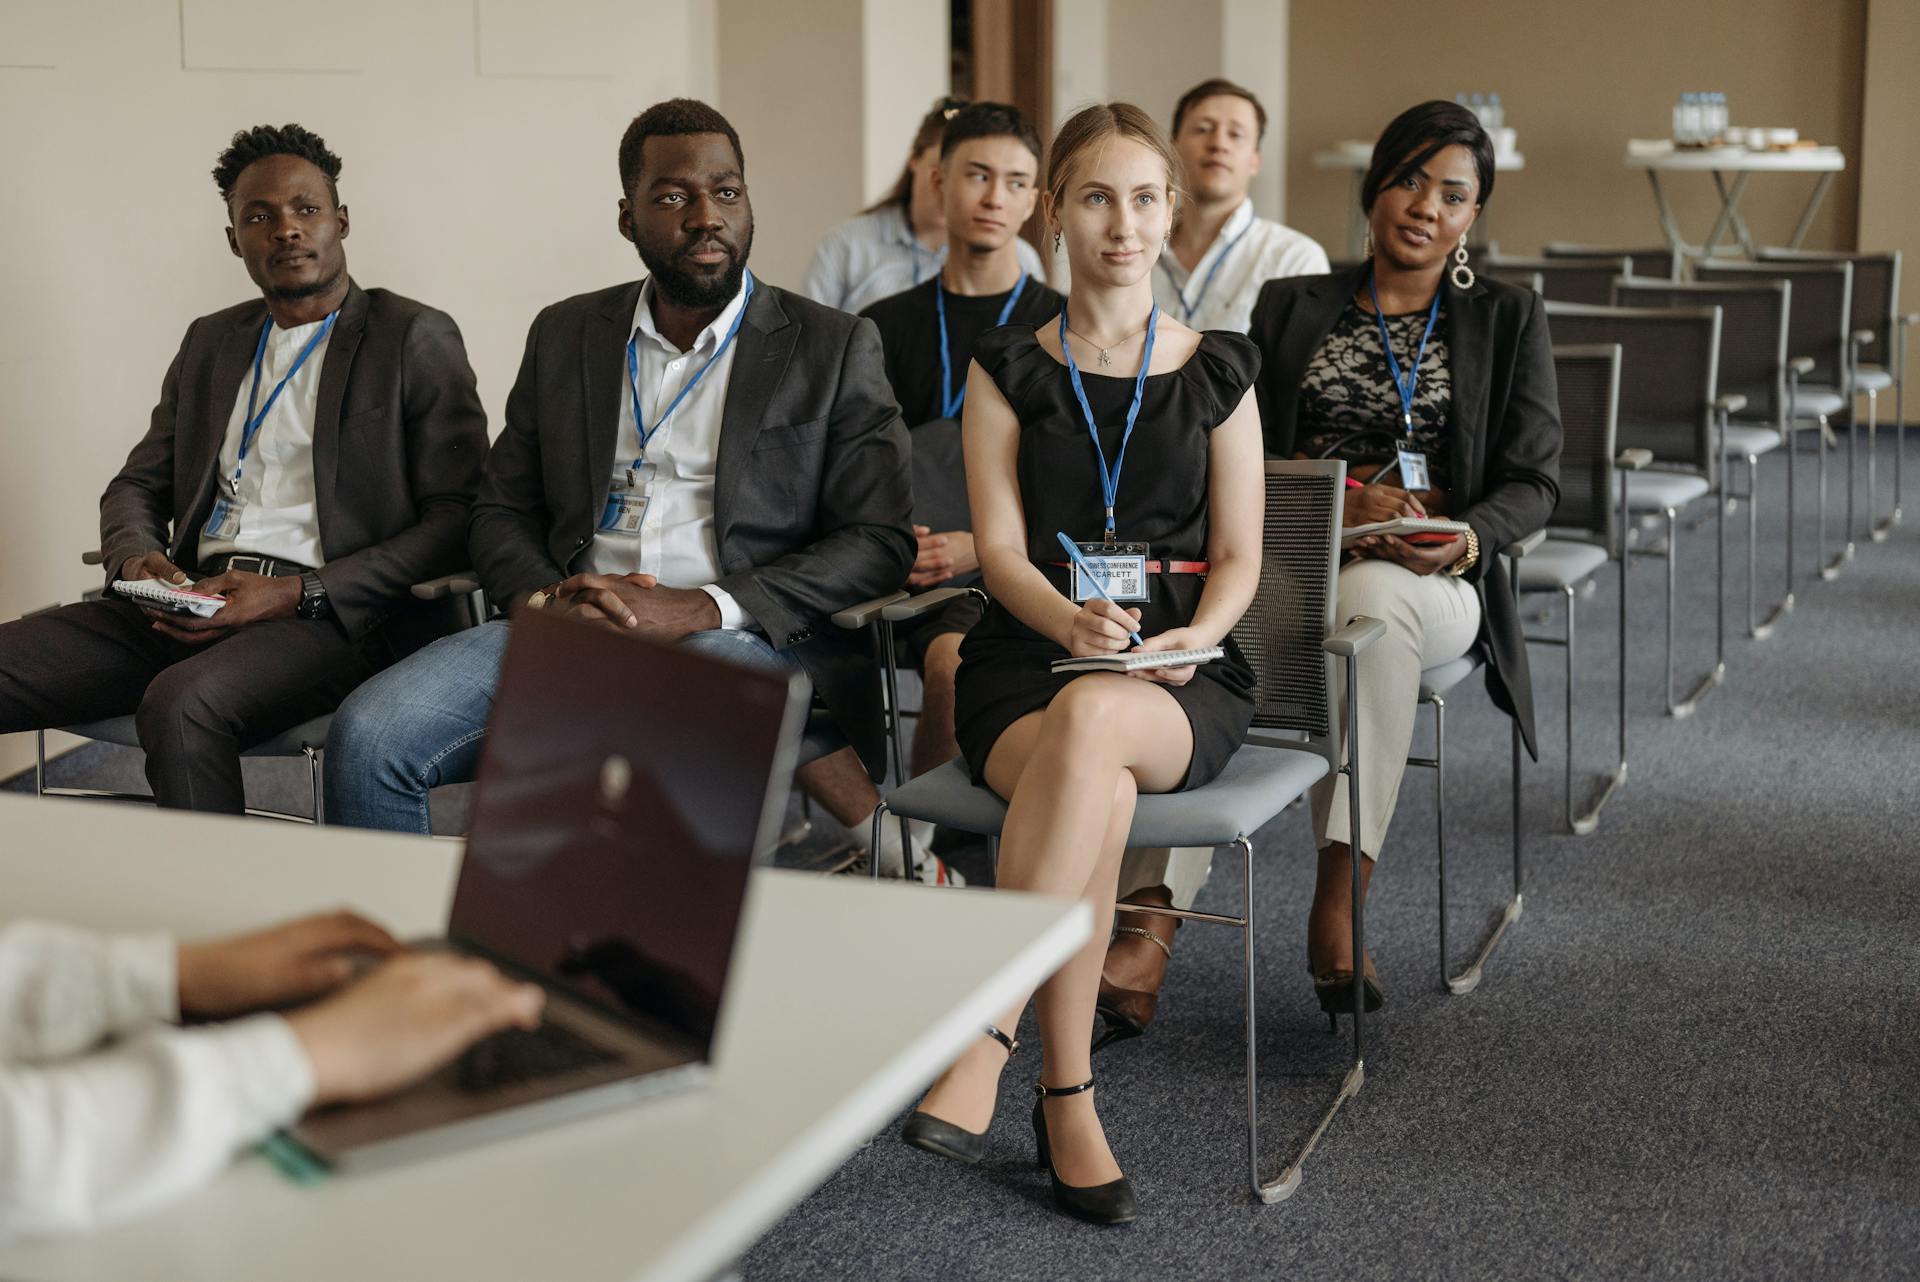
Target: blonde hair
{"x": 1091, "y": 126}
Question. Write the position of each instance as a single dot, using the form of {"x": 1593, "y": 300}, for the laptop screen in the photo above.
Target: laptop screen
{"x": 625, "y": 790}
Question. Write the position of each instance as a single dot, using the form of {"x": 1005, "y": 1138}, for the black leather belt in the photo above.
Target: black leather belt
{"x": 248, "y": 563}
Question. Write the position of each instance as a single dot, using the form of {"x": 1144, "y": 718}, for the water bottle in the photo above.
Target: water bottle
{"x": 1680, "y": 120}
{"x": 1691, "y": 119}
{"x": 1720, "y": 117}
{"x": 1497, "y": 113}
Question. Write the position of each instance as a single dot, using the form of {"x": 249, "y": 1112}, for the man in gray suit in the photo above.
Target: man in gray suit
{"x": 699, "y": 458}
{"x": 313, "y": 455}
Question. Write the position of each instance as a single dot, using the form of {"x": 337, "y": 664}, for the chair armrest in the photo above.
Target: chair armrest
{"x": 1520, "y": 547}
{"x": 1359, "y": 633}
{"x": 859, "y": 616}
{"x": 915, "y": 606}
{"x": 1730, "y": 404}
{"x": 1909, "y": 318}
{"x": 1634, "y": 460}
{"x": 1862, "y": 337}
{"x": 458, "y": 584}
{"x": 93, "y": 557}
{"x": 1802, "y": 365}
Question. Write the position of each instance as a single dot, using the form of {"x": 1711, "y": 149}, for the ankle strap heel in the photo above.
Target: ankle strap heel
{"x": 1052, "y": 1092}
{"x": 1111, "y": 1203}
{"x": 1008, "y": 1042}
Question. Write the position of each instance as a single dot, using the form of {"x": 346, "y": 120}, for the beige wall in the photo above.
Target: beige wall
{"x": 1577, "y": 82}
{"x": 1890, "y": 139}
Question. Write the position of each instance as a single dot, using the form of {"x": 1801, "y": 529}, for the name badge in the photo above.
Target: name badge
{"x": 224, "y": 523}
{"x": 1413, "y": 470}
{"x": 1120, "y": 569}
{"x": 627, "y": 501}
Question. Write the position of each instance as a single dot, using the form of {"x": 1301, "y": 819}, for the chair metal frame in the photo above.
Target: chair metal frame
{"x": 1553, "y": 272}
{"x": 1640, "y": 260}
{"x": 1282, "y": 729}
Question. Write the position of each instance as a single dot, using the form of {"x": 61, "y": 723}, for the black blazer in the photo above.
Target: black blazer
{"x": 1505, "y": 420}
{"x": 398, "y": 442}
{"x": 812, "y": 491}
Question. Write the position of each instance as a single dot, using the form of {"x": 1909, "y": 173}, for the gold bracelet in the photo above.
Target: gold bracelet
{"x": 1466, "y": 562}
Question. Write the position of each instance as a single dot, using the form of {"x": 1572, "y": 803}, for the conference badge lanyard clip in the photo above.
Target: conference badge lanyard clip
{"x": 224, "y": 522}
{"x": 1110, "y": 567}
{"x": 1413, "y": 463}
{"x": 951, "y": 398}
{"x": 627, "y": 501}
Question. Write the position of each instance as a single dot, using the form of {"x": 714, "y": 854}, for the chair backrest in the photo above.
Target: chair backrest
{"x": 1669, "y": 364}
{"x": 1564, "y": 280}
{"x": 1876, "y": 292}
{"x": 1588, "y": 375}
{"x": 1818, "y": 323}
{"x": 1753, "y": 333}
{"x": 1661, "y": 261}
{"x": 1292, "y": 610}
{"x": 1515, "y": 276}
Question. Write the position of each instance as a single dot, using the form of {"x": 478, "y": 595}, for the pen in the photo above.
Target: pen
{"x": 1073, "y": 554}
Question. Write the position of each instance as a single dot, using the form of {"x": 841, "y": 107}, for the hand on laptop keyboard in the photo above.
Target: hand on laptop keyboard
{"x": 405, "y": 1020}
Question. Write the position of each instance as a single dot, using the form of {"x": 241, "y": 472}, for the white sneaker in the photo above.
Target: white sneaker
{"x": 932, "y": 869}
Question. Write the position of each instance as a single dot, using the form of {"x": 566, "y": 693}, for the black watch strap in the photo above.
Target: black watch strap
{"x": 313, "y": 597}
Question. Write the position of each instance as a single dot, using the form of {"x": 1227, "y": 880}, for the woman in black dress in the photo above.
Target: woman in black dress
{"x": 1070, "y": 753}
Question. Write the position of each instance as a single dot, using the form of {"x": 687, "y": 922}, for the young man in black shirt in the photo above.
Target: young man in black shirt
{"x": 988, "y": 181}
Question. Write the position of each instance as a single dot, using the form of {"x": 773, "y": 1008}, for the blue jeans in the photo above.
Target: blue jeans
{"x": 420, "y": 723}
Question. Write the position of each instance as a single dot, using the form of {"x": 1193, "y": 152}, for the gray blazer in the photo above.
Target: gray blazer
{"x": 812, "y": 489}
{"x": 398, "y": 442}
{"x": 1505, "y": 422}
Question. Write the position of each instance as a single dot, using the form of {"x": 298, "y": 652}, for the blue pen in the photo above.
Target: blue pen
{"x": 1073, "y": 553}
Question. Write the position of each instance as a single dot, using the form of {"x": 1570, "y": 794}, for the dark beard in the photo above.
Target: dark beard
{"x": 696, "y": 292}
{"x": 298, "y": 292}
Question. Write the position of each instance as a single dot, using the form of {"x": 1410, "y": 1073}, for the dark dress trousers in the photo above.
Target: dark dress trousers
{"x": 1505, "y": 427}
{"x": 812, "y": 490}
{"x": 398, "y": 445}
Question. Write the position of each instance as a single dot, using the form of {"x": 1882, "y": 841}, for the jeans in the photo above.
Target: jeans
{"x": 421, "y": 723}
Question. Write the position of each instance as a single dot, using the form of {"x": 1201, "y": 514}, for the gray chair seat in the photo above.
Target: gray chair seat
{"x": 1436, "y": 682}
{"x": 1255, "y": 783}
{"x": 1872, "y": 378}
{"x": 1658, "y": 491}
{"x": 1811, "y": 401}
{"x": 1558, "y": 564}
{"x": 1744, "y": 441}
{"x": 288, "y": 743}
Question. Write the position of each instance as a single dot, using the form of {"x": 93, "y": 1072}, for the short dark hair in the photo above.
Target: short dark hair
{"x": 1416, "y": 136}
{"x": 262, "y": 141}
{"x": 989, "y": 120}
{"x": 676, "y": 117}
{"x": 1215, "y": 88}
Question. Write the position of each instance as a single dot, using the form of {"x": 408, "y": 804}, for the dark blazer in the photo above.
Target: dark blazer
{"x": 398, "y": 442}
{"x": 812, "y": 491}
{"x": 1505, "y": 420}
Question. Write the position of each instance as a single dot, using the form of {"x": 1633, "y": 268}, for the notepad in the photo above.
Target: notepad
{"x": 157, "y": 595}
{"x": 1139, "y": 660}
{"x": 1403, "y": 526}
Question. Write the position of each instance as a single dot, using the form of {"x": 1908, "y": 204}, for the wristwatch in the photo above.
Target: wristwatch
{"x": 313, "y": 597}
{"x": 1466, "y": 562}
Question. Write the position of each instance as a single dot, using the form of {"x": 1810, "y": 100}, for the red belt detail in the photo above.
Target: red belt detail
{"x": 1161, "y": 567}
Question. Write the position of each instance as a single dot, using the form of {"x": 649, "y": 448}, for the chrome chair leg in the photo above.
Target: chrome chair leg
{"x": 1853, "y": 471}
{"x": 40, "y": 763}
{"x": 1673, "y": 559}
{"x": 313, "y": 782}
{"x": 1718, "y": 673}
{"x": 1440, "y": 819}
{"x": 1828, "y": 569}
{"x": 1785, "y": 605}
{"x": 1877, "y": 529}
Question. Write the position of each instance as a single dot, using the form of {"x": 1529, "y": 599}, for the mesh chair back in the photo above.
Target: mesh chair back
{"x": 1589, "y": 381}
{"x": 1817, "y": 323}
{"x": 1662, "y": 261}
{"x": 1565, "y": 280}
{"x": 1515, "y": 276}
{"x": 1876, "y": 293}
{"x": 1753, "y": 333}
{"x": 1669, "y": 364}
{"x": 1292, "y": 611}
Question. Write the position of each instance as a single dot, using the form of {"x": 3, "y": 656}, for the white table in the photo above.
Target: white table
{"x": 1358, "y": 158}
{"x": 826, "y": 1033}
{"x": 1743, "y": 165}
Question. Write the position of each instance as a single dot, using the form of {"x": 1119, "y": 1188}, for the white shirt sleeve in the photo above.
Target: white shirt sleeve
{"x": 118, "y": 1131}
{"x": 731, "y": 613}
{"x": 826, "y": 279}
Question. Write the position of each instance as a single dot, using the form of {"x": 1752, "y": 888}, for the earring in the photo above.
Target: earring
{"x": 1056, "y": 242}
{"x": 1366, "y": 244}
{"x": 1462, "y": 274}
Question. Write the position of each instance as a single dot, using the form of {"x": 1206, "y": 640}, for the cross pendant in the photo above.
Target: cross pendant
{"x": 1104, "y": 358}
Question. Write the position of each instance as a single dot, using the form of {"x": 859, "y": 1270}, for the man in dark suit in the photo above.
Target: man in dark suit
{"x": 698, "y": 458}
{"x": 314, "y": 454}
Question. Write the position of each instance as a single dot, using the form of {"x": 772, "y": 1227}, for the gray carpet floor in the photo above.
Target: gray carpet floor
{"x": 1697, "y": 1054}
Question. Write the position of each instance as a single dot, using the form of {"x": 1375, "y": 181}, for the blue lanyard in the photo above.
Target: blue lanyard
{"x": 1110, "y": 476}
{"x": 1188, "y": 309}
{"x": 254, "y": 419}
{"x": 951, "y": 400}
{"x": 633, "y": 376}
{"x": 1404, "y": 383}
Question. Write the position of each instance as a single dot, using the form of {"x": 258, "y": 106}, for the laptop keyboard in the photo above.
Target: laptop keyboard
{"x": 516, "y": 1056}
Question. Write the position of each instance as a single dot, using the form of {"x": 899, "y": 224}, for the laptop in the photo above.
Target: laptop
{"x": 626, "y": 792}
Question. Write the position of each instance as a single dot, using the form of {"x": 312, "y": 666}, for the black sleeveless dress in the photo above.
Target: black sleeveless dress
{"x": 1162, "y": 502}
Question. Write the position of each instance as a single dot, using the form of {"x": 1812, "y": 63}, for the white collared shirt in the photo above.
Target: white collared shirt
{"x": 1249, "y": 252}
{"x": 278, "y": 513}
{"x": 875, "y": 255}
{"x": 677, "y": 542}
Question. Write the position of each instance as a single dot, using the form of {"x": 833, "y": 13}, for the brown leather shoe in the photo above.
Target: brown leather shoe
{"x": 1136, "y": 966}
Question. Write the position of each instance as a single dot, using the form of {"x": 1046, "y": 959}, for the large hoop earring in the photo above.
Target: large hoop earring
{"x": 1461, "y": 274}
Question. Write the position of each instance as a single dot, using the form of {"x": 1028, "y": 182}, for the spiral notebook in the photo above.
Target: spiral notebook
{"x": 1139, "y": 660}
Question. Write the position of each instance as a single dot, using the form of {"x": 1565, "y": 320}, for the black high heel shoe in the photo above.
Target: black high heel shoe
{"x": 1095, "y": 1203}
{"x": 925, "y": 1131}
{"x": 1334, "y": 988}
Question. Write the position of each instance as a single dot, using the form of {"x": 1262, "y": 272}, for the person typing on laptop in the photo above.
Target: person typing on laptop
{"x": 94, "y": 1130}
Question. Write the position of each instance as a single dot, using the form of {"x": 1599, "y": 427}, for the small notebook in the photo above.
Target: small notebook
{"x": 1139, "y": 660}
{"x": 157, "y": 595}
{"x": 1403, "y": 526}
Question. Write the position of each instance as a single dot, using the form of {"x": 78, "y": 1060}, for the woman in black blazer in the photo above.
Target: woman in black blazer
{"x": 1462, "y": 390}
